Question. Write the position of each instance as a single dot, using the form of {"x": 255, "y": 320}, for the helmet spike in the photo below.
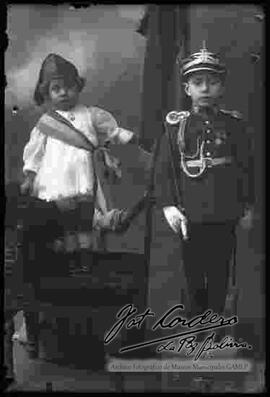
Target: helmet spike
{"x": 204, "y": 51}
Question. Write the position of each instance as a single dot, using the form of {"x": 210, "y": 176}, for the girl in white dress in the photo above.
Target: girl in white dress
{"x": 59, "y": 159}
{"x": 60, "y": 166}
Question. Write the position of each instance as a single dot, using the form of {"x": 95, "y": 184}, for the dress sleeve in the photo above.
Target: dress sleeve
{"x": 106, "y": 221}
{"x": 107, "y": 128}
{"x": 34, "y": 151}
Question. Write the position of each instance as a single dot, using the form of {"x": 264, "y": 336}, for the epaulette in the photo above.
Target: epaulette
{"x": 174, "y": 117}
{"x": 234, "y": 113}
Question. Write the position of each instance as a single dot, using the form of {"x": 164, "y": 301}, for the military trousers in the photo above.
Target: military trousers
{"x": 207, "y": 256}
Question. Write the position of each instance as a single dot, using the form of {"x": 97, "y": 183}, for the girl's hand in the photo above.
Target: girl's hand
{"x": 27, "y": 187}
{"x": 123, "y": 224}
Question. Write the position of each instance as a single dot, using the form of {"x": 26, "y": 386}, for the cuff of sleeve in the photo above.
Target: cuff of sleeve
{"x": 30, "y": 168}
{"x": 124, "y": 136}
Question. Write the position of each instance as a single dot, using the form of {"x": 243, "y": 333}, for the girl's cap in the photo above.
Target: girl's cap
{"x": 55, "y": 67}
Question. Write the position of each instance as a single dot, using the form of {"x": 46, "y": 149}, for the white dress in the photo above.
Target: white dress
{"x": 63, "y": 170}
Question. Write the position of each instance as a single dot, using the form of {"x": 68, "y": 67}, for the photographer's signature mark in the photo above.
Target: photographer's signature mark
{"x": 208, "y": 321}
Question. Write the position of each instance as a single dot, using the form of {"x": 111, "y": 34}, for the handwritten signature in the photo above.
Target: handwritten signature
{"x": 128, "y": 317}
{"x": 191, "y": 346}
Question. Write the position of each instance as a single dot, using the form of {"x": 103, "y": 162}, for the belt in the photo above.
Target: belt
{"x": 209, "y": 162}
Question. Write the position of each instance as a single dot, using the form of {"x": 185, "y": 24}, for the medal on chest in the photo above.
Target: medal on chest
{"x": 220, "y": 137}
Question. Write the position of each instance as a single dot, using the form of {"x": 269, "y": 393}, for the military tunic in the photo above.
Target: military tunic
{"x": 222, "y": 191}
{"x": 213, "y": 201}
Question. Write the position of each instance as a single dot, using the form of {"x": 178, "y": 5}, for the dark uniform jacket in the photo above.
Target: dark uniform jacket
{"x": 222, "y": 191}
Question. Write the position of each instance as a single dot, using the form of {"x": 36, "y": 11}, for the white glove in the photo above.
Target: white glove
{"x": 176, "y": 220}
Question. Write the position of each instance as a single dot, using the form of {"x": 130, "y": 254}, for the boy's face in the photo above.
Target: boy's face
{"x": 204, "y": 88}
{"x": 63, "y": 95}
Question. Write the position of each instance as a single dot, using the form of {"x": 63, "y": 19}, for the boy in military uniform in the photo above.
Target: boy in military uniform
{"x": 211, "y": 172}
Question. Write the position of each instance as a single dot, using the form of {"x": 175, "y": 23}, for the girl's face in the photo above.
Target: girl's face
{"x": 63, "y": 95}
{"x": 204, "y": 88}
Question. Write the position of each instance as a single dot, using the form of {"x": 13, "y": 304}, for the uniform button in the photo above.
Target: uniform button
{"x": 208, "y": 154}
{"x": 207, "y": 122}
{"x": 208, "y": 141}
{"x": 208, "y": 131}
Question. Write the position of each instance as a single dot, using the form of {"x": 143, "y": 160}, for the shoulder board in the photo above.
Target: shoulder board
{"x": 234, "y": 113}
{"x": 174, "y": 117}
